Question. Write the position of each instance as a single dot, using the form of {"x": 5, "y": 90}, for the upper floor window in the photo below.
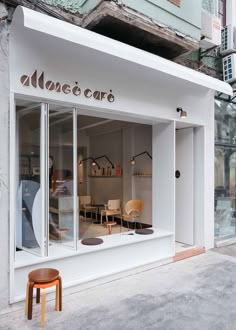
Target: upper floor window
{"x": 210, "y": 6}
{"x": 217, "y": 8}
{"x": 222, "y": 11}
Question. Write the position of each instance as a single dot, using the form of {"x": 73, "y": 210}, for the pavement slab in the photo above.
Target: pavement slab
{"x": 195, "y": 293}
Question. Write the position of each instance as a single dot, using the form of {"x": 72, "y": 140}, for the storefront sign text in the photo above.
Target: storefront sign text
{"x": 38, "y": 81}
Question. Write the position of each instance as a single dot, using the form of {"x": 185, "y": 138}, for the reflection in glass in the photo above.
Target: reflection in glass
{"x": 61, "y": 208}
{"x": 225, "y": 169}
{"x": 29, "y": 200}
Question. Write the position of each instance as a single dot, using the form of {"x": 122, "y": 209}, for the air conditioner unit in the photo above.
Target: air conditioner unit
{"x": 229, "y": 68}
{"x": 211, "y": 30}
{"x": 228, "y": 40}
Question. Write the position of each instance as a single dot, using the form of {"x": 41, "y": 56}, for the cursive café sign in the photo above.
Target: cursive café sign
{"x": 38, "y": 81}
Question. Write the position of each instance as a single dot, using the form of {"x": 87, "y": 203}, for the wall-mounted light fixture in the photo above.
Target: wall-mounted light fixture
{"x": 94, "y": 163}
{"x": 183, "y": 114}
{"x": 133, "y": 161}
{"x": 112, "y": 165}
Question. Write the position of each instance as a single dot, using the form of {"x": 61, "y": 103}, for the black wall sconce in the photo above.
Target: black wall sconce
{"x": 183, "y": 114}
{"x": 94, "y": 163}
{"x": 133, "y": 161}
{"x": 104, "y": 156}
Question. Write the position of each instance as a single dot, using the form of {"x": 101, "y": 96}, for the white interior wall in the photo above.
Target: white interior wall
{"x": 120, "y": 146}
{"x": 105, "y": 188}
{"x": 128, "y": 150}
{"x": 142, "y": 185}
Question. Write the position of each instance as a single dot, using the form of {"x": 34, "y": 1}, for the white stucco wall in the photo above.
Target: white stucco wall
{"x": 142, "y": 93}
{"x": 4, "y": 120}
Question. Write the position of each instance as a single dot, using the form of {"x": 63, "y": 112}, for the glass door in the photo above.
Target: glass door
{"x": 30, "y": 221}
{"x": 62, "y": 177}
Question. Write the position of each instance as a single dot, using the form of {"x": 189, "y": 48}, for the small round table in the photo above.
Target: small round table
{"x": 109, "y": 225}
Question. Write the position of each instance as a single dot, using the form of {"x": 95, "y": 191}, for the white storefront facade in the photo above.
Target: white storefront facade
{"x": 57, "y": 69}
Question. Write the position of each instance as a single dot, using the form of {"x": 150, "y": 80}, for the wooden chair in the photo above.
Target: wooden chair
{"x": 86, "y": 207}
{"x": 112, "y": 208}
{"x": 133, "y": 210}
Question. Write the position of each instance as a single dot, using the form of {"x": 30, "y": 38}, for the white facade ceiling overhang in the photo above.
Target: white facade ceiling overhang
{"x": 53, "y": 27}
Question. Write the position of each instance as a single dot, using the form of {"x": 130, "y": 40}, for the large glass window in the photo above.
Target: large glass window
{"x": 30, "y": 226}
{"x": 225, "y": 169}
{"x": 109, "y": 178}
{"x": 78, "y": 177}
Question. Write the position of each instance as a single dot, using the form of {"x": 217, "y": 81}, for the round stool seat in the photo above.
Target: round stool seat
{"x": 61, "y": 230}
{"x": 43, "y": 275}
{"x": 144, "y": 231}
{"x": 109, "y": 223}
{"x": 92, "y": 241}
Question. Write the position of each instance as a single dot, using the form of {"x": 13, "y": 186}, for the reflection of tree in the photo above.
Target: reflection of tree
{"x": 225, "y": 153}
{"x": 226, "y": 139}
{"x": 230, "y": 186}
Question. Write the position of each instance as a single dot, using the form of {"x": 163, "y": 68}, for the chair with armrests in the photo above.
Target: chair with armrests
{"x": 112, "y": 208}
{"x": 86, "y": 207}
{"x": 133, "y": 210}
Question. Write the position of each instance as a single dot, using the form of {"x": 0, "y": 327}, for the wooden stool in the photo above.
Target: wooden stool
{"x": 60, "y": 232}
{"x": 41, "y": 279}
{"x": 109, "y": 225}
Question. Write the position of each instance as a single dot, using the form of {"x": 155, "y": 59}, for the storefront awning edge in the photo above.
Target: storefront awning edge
{"x": 60, "y": 29}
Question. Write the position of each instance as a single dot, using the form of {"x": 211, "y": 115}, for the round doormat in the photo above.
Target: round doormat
{"x": 92, "y": 241}
{"x": 144, "y": 231}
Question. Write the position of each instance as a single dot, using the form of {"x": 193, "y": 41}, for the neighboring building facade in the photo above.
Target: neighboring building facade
{"x": 167, "y": 28}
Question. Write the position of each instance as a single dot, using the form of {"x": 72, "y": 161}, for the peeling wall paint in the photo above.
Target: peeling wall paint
{"x": 75, "y": 6}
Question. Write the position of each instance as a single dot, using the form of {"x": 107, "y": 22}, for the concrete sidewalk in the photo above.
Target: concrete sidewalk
{"x": 196, "y": 293}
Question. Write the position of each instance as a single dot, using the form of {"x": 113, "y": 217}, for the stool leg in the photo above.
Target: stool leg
{"x": 57, "y": 297}
{"x": 60, "y": 293}
{"x": 38, "y": 296}
{"x": 109, "y": 229}
{"x": 30, "y": 300}
{"x": 27, "y": 298}
{"x": 43, "y": 307}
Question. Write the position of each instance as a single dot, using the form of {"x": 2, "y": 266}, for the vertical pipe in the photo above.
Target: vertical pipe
{"x": 12, "y": 193}
{"x": 75, "y": 181}
{"x": 44, "y": 181}
{"x": 46, "y": 230}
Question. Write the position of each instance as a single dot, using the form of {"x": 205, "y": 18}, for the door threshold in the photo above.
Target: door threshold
{"x": 191, "y": 252}
{"x": 225, "y": 241}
